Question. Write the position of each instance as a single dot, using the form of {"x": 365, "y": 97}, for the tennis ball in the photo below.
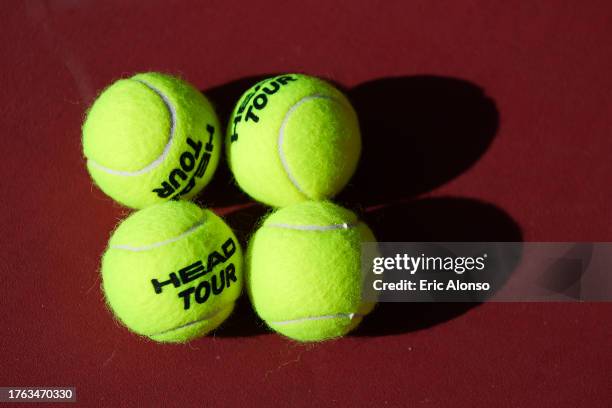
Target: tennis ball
{"x": 150, "y": 138}
{"x": 303, "y": 271}
{"x": 292, "y": 138}
{"x": 172, "y": 271}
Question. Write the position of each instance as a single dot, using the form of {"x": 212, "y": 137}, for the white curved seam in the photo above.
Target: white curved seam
{"x": 164, "y": 154}
{"x": 349, "y": 316}
{"x": 281, "y": 137}
{"x": 207, "y": 317}
{"x": 331, "y": 227}
{"x": 158, "y": 244}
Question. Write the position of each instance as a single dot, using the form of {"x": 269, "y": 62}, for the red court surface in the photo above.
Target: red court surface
{"x": 481, "y": 120}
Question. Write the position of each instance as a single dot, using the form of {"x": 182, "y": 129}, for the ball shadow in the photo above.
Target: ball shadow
{"x": 418, "y": 133}
{"x": 243, "y": 322}
{"x": 245, "y": 221}
{"x": 434, "y": 220}
{"x": 564, "y": 276}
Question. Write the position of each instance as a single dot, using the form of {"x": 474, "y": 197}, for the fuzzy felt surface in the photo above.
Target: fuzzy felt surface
{"x": 303, "y": 271}
{"x": 293, "y": 137}
{"x": 161, "y": 240}
{"x": 149, "y": 138}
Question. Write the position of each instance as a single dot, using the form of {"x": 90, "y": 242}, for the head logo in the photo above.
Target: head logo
{"x": 257, "y": 100}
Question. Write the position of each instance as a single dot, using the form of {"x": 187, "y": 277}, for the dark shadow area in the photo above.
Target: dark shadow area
{"x": 433, "y": 220}
{"x": 222, "y": 190}
{"x": 442, "y": 219}
{"x": 244, "y": 222}
{"x": 418, "y": 132}
{"x": 243, "y": 322}
{"x": 564, "y": 276}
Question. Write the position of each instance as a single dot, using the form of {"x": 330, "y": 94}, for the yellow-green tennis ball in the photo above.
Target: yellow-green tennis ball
{"x": 172, "y": 271}
{"x": 150, "y": 138}
{"x": 304, "y": 271}
{"x": 293, "y": 138}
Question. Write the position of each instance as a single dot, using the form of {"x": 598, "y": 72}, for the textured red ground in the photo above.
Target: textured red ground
{"x": 482, "y": 120}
